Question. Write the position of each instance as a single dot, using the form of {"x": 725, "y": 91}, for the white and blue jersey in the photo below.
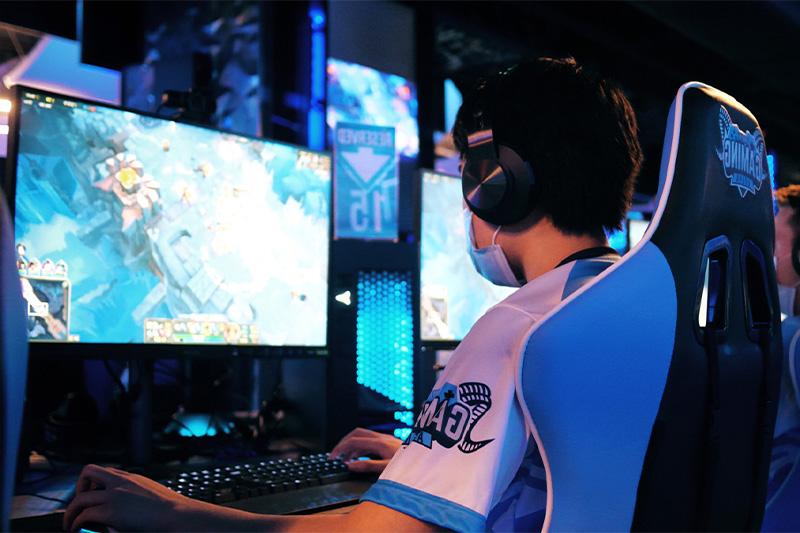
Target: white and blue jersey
{"x": 471, "y": 462}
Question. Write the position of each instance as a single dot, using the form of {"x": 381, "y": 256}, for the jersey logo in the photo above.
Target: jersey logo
{"x": 450, "y": 414}
{"x": 742, "y": 154}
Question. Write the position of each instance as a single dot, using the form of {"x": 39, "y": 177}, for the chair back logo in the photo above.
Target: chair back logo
{"x": 742, "y": 154}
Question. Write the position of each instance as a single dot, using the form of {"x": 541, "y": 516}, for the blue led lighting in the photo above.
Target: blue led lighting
{"x": 402, "y": 433}
{"x": 316, "y": 109}
{"x": 406, "y": 417}
{"x": 384, "y": 335}
{"x": 317, "y": 16}
{"x": 771, "y": 165}
{"x": 199, "y": 425}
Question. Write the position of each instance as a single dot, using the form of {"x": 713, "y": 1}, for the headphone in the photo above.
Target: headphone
{"x": 497, "y": 183}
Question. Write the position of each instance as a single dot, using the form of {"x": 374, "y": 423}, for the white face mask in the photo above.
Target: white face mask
{"x": 490, "y": 262}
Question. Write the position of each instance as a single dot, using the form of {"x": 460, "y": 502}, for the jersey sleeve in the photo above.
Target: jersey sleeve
{"x": 469, "y": 438}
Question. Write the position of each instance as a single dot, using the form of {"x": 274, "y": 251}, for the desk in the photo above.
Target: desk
{"x": 47, "y": 480}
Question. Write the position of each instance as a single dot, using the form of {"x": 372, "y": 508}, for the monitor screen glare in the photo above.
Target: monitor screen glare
{"x": 136, "y": 229}
{"x": 636, "y": 230}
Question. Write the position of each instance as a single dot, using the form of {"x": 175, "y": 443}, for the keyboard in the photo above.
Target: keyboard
{"x": 241, "y": 481}
{"x": 277, "y": 486}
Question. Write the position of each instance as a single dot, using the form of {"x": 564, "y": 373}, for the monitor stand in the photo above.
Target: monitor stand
{"x": 141, "y": 420}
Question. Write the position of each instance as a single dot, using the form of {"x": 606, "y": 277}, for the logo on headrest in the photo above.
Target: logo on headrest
{"x": 743, "y": 155}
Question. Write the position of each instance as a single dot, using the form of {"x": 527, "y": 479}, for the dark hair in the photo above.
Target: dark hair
{"x": 578, "y": 132}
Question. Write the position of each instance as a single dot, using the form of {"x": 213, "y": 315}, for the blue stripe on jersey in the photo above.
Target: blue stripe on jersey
{"x": 424, "y": 506}
{"x": 584, "y": 270}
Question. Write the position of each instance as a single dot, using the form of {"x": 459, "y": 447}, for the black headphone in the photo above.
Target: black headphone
{"x": 498, "y": 185}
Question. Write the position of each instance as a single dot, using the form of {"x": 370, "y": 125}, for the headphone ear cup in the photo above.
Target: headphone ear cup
{"x": 521, "y": 197}
{"x": 497, "y": 184}
{"x": 484, "y": 187}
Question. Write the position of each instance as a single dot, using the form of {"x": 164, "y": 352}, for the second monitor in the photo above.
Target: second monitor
{"x": 453, "y": 295}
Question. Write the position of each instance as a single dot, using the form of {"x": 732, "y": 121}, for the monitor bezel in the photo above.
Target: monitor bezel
{"x": 127, "y": 351}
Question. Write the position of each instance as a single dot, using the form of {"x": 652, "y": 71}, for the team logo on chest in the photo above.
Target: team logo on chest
{"x": 450, "y": 414}
{"x": 742, "y": 154}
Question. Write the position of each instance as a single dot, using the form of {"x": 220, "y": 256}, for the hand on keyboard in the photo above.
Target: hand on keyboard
{"x": 362, "y": 441}
{"x": 125, "y": 502}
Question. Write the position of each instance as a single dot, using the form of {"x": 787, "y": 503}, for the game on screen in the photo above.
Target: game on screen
{"x": 454, "y": 296}
{"x": 135, "y": 229}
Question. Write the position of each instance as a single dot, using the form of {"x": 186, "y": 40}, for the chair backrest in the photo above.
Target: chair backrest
{"x": 651, "y": 391}
{"x": 13, "y": 362}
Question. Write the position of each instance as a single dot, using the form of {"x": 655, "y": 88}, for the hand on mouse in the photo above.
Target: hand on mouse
{"x": 362, "y": 441}
{"x": 127, "y": 502}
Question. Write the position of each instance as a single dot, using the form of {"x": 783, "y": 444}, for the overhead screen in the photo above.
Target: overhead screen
{"x": 137, "y": 229}
{"x": 363, "y": 95}
{"x": 453, "y": 294}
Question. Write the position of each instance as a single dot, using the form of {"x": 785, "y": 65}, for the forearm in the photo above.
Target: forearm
{"x": 365, "y": 517}
{"x": 216, "y": 518}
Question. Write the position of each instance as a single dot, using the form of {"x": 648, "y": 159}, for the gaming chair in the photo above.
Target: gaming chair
{"x": 13, "y": 362}
{"x": 651, "y": 391}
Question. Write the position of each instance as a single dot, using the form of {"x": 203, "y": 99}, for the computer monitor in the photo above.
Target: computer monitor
{"x": 363, "y": 95}
{"x": 636, "y": 230}
{"x": 132, "y": 230}
{"x": 453, "y": 295}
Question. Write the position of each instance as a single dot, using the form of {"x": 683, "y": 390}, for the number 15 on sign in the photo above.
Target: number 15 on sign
{"x": 365, "y": 182}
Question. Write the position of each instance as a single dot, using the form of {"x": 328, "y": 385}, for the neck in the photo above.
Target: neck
{"x": 538, "y": 249}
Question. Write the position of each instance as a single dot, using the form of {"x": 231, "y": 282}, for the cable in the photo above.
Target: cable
{"x": 115, "y": 377}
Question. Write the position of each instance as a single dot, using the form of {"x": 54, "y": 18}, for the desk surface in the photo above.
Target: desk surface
{"x": 43, "y": 485}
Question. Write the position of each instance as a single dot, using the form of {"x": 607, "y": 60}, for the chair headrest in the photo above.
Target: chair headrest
{"x": 714, "y": 176}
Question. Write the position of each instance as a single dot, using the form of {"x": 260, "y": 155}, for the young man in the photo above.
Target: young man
{"x": 470, "y": 463}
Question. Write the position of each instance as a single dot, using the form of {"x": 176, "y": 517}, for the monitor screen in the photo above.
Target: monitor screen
{"x": 364, "y": 95}
{"x": 636, "y": 230}
{"x": 137, "y": 229}
{"x": 453, "y": 294}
